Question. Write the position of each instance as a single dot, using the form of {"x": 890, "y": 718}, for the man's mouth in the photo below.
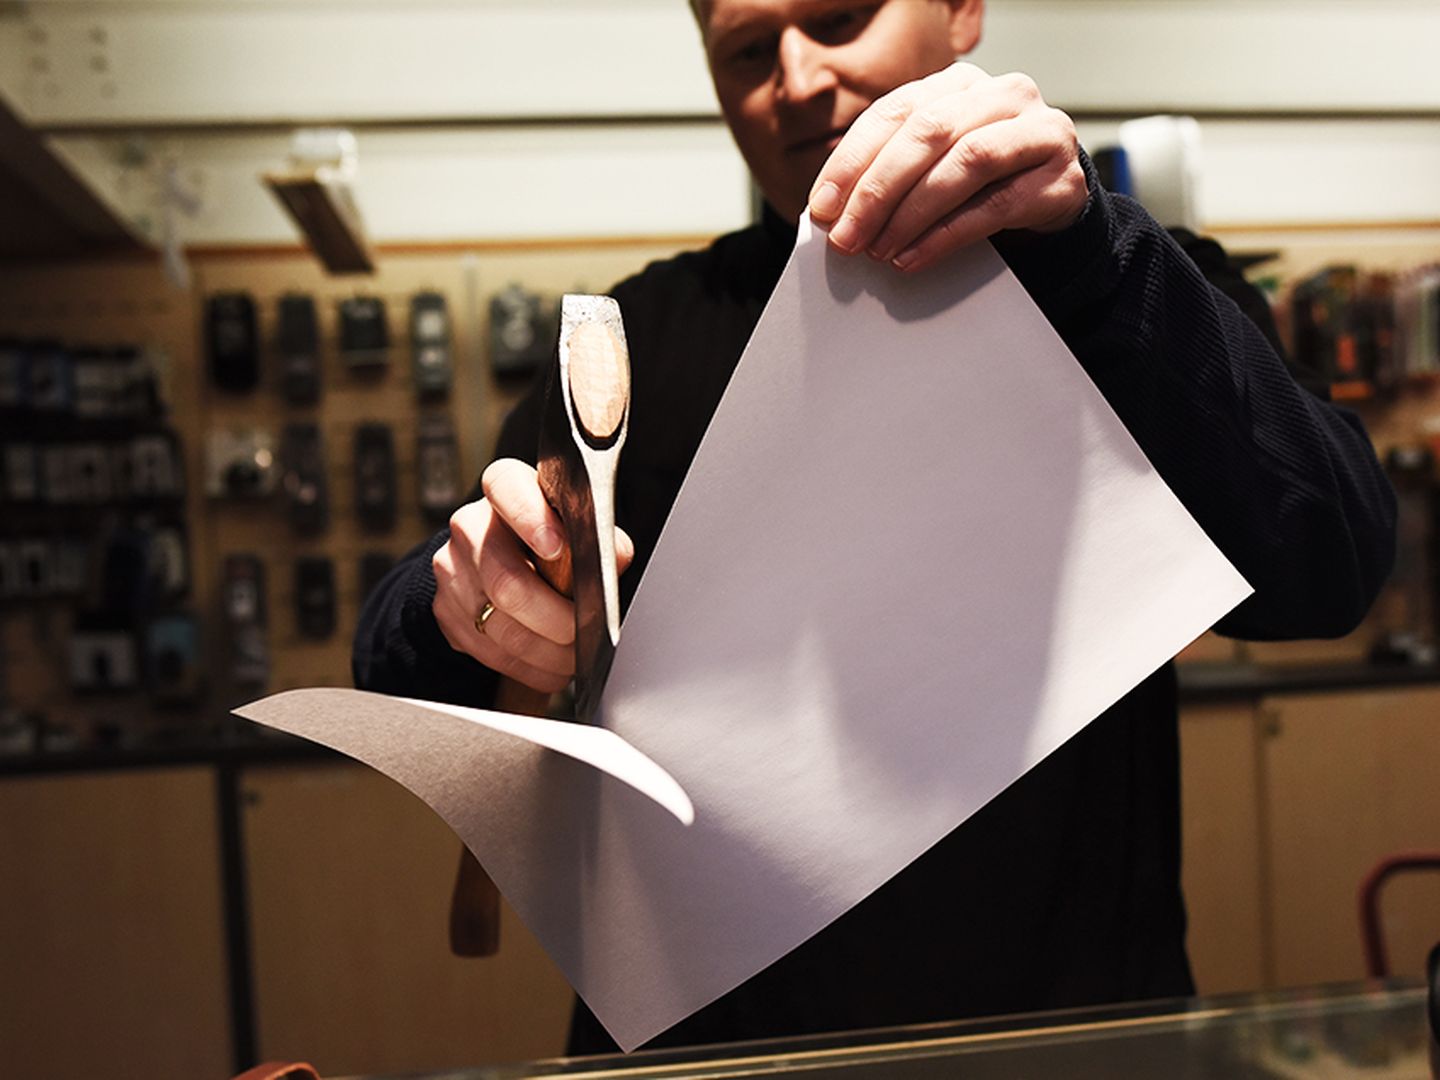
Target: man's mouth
{"x": 825, "y": 140}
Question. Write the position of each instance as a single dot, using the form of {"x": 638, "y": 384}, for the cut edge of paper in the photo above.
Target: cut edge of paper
{"x": 597, "y": 747}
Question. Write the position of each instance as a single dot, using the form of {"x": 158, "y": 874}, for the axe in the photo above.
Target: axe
{"x": 585, "y": 419}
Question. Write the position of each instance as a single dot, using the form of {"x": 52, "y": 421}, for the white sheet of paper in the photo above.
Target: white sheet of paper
{"x": 915, "y": 553}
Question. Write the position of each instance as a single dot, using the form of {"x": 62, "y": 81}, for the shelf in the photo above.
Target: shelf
{"x": 46, "y": 212}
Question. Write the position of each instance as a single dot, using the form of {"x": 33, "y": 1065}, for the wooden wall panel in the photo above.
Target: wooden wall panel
{"x": 347, "y": 400}
{"x": 103, "y": 302}
{"x": 1221, "y": 870}
{"x": 476, "y": 406}
{"x": 350, "y": 880}
{"x": 129, "y": 300}
{"x": 1349, "y": 778}
{"x": 111, "y": 937}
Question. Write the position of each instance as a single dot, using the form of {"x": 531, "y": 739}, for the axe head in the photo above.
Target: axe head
{"x": 587, "y": 413}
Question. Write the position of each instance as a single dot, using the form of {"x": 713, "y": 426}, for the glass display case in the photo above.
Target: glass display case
{"x": 1371, "y": 1031}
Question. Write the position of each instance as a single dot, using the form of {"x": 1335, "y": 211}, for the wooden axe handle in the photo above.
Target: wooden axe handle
{"x": 475, "y": 902}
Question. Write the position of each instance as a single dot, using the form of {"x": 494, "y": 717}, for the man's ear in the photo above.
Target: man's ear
{"x": 965, "y": 19}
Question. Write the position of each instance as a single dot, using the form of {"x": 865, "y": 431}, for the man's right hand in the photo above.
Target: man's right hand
{"x": 530, "y": 635}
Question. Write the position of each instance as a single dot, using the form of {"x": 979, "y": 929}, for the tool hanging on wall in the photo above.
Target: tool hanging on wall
{"x": 375, "y": 476}
{"x": 437, "y": 458}
{"x": 297, "y": 343}
{"x": 522, "y": 337}
{"x": 231, "y": 339}
{"x": 315, "y": 596}
{"x": 364, "y": 333}
{"x": 242, "y": 597}
{"x": 430, "y": 345}
{"x": 302, "y": 461}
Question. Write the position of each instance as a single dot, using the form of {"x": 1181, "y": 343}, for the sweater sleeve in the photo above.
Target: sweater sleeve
{"x": 1286, "y": 484}
{"x": 398, "y": 646}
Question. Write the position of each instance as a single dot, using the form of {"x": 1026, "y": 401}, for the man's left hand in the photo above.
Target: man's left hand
{"x": 945, "y": 161}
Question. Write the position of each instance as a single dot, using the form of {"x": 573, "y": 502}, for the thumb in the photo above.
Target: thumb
{"x": 624, "y": 549}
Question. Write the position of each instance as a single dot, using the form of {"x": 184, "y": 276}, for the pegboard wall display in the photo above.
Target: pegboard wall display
{"x": 237, "y": 464}
{"x": 1361, "y": 308}
{"x": 201, "y": 486}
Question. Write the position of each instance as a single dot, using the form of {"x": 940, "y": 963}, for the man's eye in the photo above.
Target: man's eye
{"x": 756, "y": 53}
{"x": 839, "y": 27}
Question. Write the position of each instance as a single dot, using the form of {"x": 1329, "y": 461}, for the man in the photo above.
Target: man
{"x": 1064, "y": 891}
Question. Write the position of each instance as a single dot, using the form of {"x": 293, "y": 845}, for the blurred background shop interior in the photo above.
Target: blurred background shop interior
{"x": 272, "y": 272}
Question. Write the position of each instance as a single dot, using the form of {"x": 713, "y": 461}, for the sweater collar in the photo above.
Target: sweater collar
{"x": 780, "y": 231}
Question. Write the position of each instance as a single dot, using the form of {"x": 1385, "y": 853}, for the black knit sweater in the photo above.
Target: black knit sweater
{"x": 1064, "y": 891}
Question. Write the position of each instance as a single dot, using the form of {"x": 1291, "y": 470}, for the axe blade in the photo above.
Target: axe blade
{"x": 587, "y": 414}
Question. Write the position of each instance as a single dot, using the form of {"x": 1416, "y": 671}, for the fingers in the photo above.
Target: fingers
{"x": 872, "y": 129}
{"x": 921, "y": 155}
{"x": 1001, "y": 156}
{"x": 1021, "y": 198}
{"x": 504, "y": 645}
{"x": 490, "y": 565}
{"x": 529, "y": 634}
{"x": 512, "y": 489}
{"x": 896, "y": 140}
{"x": 624, "y": 549}
{"x": 946, "y": 170}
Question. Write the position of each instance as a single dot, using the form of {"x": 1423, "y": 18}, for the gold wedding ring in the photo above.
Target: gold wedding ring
{"x": 484, "y": 616}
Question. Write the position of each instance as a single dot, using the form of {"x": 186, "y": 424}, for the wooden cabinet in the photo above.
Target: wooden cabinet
{"x": 1288, "y": 803}
{"x": 349, "y": 887}
{"x": 112, "y": 936}
{"x": 112, "y": 958}
{"x": 1350, "y": 778}
{"x": 1220, "y": 792}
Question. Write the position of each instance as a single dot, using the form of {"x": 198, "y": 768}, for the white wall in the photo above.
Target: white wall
{"x": 166, "y": 60}
{"x": 228, "y": 60}
{"x": 449, "y": 183}
{"x": 1213, "y": 55}
{"x": 1348, "y": 94}
{"x": 1312, "y": 171}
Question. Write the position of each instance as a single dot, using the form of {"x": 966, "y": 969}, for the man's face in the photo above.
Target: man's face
{"x": 792, "y": 75}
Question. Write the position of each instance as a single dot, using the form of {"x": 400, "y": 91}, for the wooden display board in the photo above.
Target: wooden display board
{"x": 76, "y": 880}
{"x": 130, "y": 301}
{"x": 104, "y": 303}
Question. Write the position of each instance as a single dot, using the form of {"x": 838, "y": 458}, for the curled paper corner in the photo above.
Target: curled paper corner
{"x": 595, "y": 746}
{"x": 333, "y": 718}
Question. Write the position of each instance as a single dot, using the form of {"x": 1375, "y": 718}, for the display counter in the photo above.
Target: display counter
{"x": 1355, "y": 1031}
{"x": 1204, "y": 682}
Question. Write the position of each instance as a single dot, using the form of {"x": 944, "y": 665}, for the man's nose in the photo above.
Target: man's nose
{"x": 804, "y": 68}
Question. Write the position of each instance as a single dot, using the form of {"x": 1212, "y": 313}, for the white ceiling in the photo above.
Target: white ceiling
{"x": 577, "y": 117}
